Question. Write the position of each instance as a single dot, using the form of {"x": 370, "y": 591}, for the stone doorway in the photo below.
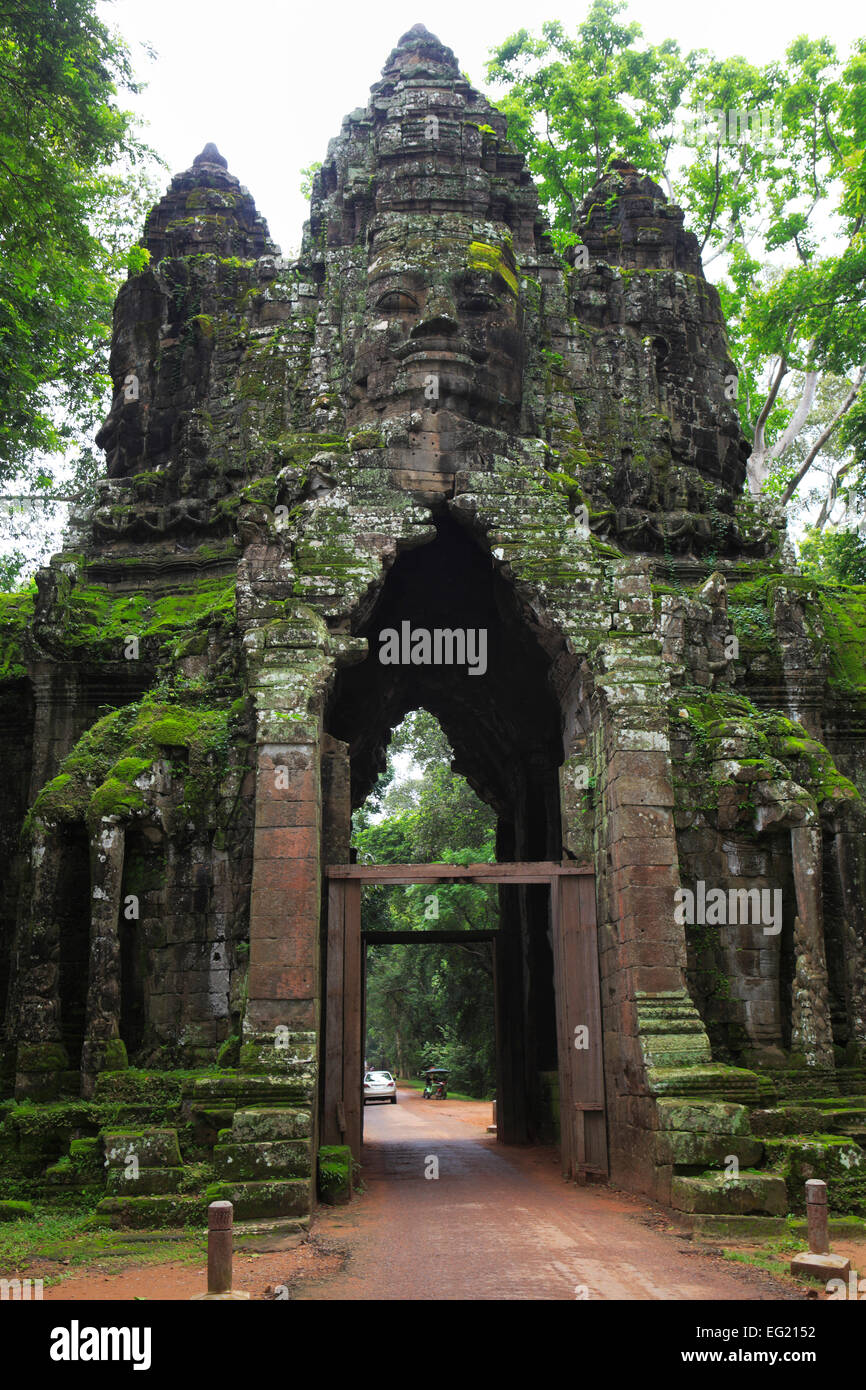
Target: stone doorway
{"x": 570, "y": 893}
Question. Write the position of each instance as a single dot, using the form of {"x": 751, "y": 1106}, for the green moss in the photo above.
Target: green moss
{"x": 335, "y": 1173}
{"x": 16, "y": 613}
{"x": 99, "y": 776}
{"x": 839, "y": 608}
{"x": 95, "y": 617}
{"x": 15, "y": 1211}
{"x": 772, "y": 742}
{"x": 483, "y": 256}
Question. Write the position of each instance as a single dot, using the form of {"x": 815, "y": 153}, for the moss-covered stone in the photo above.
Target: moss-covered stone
{"x": 702, "y": 1117}
{"x": 283, "y": 1159}
{"x": 11, "y": 1210}
{"x": 254, "y": 1200}
{"x": 335, "y": 1174}
{"x": 152, "y": 1213}
{"x": 152, "y": 1148}
{"x": 715, "y": 1192}
{"x": 144, "y": 1182}
{"x": 838, "y": 1161}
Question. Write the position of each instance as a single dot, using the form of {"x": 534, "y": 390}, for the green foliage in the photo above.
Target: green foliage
{"x": 308, "y": 173}
{"x": 67, "y": 216}
{"x": 16, "y": 612}
{"x": 429, "y": 1004}
{"x": 776, "y": 186}
{"x": 835, "y": 556}
{"x": 573, "y": 102}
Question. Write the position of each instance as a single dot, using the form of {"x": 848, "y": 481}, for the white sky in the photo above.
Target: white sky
{"x": 270, "y": 82}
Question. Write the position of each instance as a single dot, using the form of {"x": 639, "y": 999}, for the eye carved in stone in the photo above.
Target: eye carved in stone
{"x": 397, "y": 302}
{"x": 478, "y": 302}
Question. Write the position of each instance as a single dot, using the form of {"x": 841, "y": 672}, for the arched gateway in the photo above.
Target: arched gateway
{"x": 427, "y": 464}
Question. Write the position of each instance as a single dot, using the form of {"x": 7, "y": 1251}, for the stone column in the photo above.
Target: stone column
{"x": 285, "y": 898}
{"x": 649, "y": 1020}
{"x": 287, "y": 668}
{"x": 103, "y": 1049}
{"x": 35, "y": 1017}
{"x": 811, "y": 1031}
{"x": 849, "y": 869}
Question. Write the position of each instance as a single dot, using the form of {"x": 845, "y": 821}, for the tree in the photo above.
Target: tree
{"x": 768, "y": 164}
{"x": 572, "y": 103}
{"x": 834, "y": 556}
{"x": 73, "y": 184}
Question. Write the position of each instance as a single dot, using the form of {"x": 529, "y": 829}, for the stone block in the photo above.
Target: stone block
{"x": 151, "y": 1213}
{"x": 762, "y": 1193}
{"x": 153, "y": 1148}
{"x": 277, "y": 1123}
{"x": 702, "y": 1117}
{"x": 146, "y": 1182}
{"x": 821, "y": 1267}
{"x": 284, "y": 1159}
{"x": 253, "y": 1200}
{"x": 692, "y": 1149}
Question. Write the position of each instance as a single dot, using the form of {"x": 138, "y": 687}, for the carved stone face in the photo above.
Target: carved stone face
{"x": 441, "y": 334}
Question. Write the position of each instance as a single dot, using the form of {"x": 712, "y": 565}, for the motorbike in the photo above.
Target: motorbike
{"x": 435, "y": 1084}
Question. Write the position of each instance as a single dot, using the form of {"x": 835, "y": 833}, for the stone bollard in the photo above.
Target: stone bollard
{"x": 817, "y": 1262}
{"x": 219, "y": 1255}
{"x": 816, "y": 1215}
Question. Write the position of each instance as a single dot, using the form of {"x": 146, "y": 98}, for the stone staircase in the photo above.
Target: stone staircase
{"x": 713, "y": 1157}
{"x": 264, "y": 1163}
{"x": 705, "y": 1150}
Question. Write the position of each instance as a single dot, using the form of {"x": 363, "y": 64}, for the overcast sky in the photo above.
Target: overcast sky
{"x": 270, "y": 82}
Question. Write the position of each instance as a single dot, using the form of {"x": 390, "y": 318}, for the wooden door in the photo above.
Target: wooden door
{"x": 579, "y": 1034}
{"x": 344, "y": 1059}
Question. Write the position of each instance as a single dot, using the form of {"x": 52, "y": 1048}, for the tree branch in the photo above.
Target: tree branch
{"x": 822, "y": 440}
{"x": 799, "y": 418}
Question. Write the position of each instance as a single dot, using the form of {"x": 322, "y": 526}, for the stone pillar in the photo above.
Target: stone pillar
{"x": 103, "y": 1049}
{"x": 285, "y": 899}
{"x": 649, "y": 1020}
{"x": 288, "y": 665}
{"x": 35, "y": 1017}
{"x": 849, "y": 869}
{"x": 811, "y": 1031}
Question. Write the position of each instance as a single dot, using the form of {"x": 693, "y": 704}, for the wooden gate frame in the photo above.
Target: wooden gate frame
{"x": 576, "y": 983}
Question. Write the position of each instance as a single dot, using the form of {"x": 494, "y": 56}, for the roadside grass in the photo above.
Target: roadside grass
{"x": 773, "y": 1256}
{"x": 68, "y": 1238}
{"x": 452, "y": 1095}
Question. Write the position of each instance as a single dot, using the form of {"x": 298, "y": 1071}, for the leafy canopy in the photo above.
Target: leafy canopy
{"x": 774, "y": 187}
{"x": 71, "y": 188}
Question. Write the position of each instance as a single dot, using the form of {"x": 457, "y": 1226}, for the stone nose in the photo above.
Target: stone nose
{"x": 439, "y": 317}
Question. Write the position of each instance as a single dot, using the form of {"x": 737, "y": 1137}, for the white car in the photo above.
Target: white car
{"x": 380, "y": 1085}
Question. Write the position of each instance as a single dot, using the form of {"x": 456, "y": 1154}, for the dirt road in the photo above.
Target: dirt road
{"x": 496, "y": 1223}
{"x": 448, "y": 1213}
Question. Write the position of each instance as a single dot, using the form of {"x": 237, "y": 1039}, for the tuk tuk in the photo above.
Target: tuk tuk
{"x": 435, "y": 1083}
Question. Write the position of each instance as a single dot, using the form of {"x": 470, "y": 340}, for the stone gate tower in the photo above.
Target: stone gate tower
{"x": 429, "y": 417}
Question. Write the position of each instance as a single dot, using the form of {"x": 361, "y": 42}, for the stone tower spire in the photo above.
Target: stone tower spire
{"x": 206, "y": 211}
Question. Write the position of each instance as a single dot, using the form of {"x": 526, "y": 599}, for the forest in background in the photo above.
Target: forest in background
{"x": 428, "y": 1005}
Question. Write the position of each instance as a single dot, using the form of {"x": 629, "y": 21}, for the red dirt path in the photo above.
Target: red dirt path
{"x": 497, "y": 1223}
